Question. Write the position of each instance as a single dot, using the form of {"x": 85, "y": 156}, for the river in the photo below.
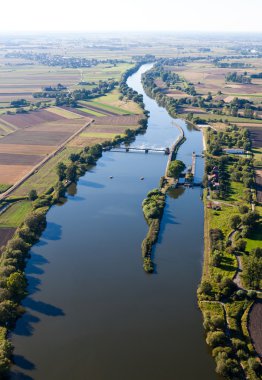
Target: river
{"x": 92, "y": 312}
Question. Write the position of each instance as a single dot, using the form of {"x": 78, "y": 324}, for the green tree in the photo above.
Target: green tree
{"x": 61, "y": 171}
{"x": 175, "y": 168}
{"x": 241, "y": 245}
{"x": 235, "y": 221}
{"x": 71, "y": 173}
{"x": 216, "y": 338}
{"x": 32, "y": 195}
{"x": 16, "y": 284}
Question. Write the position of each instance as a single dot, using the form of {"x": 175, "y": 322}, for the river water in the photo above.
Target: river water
{"x": 92, "y": 312}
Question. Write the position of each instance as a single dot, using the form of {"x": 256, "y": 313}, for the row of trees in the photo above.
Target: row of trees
{"x": 238, "y": 78}
{"x": 13, "y": 281}
{"x": 70, "y": 98}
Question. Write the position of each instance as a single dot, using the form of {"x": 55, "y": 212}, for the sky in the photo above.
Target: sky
{"x": 135, "y": 15}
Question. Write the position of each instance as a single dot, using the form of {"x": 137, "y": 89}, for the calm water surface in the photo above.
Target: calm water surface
{"x": 92, "y": 312}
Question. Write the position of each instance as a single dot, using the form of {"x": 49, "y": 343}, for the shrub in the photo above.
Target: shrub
{"x": 235, "y": 221}
{"x": 216, "y": 338}
{"x": 8, "y": 313}
{"x": 16, "y": 284}
{"x": 243, "y": 209}
{"x": 241, "y": 245}
{"x": 205, "y": 288}
{"x": 218, "y": 350}
{"x": 32, "y": 195}
{"x": 148, "y": 265}
{"x": 238, "y": 344}
{"x": 175, "y": 168}
{"x": 227, "y": 287}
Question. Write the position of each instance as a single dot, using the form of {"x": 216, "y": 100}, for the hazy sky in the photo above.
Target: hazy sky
{"x": 127, "y": 15}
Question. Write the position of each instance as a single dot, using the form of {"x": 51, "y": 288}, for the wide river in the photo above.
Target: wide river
{"x": 92, "y": 312}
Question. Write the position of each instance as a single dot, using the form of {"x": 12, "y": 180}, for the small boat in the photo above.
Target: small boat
{"x": 111, "y": 177}
{"x": 142, "y": 178}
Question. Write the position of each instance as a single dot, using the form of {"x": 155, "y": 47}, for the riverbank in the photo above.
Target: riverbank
{"x": 236, "y": 301}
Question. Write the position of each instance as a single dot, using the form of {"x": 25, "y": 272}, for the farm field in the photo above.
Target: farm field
{"x": 206, "y": 77}
{"x": 35, "y": 135}
{"x": 15, "y": 214}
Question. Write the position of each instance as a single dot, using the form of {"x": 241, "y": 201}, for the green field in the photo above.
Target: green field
{"x": 107, "y": 107}
{"x": 87, "y": 110}
{"x": 15, "y": 214}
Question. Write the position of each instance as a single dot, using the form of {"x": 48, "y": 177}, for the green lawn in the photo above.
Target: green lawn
{"x": 236, "y": 192}
{"x": 255, "y": 239}
{"x": 15, "y": 214}
{"x": 221, "y": 219}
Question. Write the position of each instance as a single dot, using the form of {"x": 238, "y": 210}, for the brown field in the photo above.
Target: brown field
{"x": 110, "y": 128}
{"x": 255, "y": 326}
{"x": 39, "y": 134}
{"x": 256, "y": 136}
{"x": 35, "y": 138}
{"x": 10, "y": 174}
{"x": 259, "y": 185}
{"x": 159, "y": 82}
{"x": 63, "y": 112}
{"x": 81, "y": 141}
{"x": 207, "y": 77}
{"x": 5, "y": 234}
{"x": 31, "y": 118}
{"x": 19, "y": 159}
{"x": 194, "y": 110}
{"x": 24, "y": 149}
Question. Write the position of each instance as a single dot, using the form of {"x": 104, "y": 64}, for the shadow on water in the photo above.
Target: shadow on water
{"x": 43, "y": 308}
{"x": 94, "y": 185}
{"x": 26, "y": 328}
{"x": 76, "y": 198}
{"x": 53, "y": 231}
{"x": 23, "y": 363}
{"x": 19, "y": 376}
{"x": 33, "y": 265}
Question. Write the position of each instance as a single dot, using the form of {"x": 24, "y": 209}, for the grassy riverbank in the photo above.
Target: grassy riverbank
{"x": 228, "y": 289}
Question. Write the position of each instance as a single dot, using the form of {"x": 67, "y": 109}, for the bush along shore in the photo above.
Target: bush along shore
{"x": 15, "y": 254}
{"x": 153, "y": 207}
{"x": 231, "y": 279}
